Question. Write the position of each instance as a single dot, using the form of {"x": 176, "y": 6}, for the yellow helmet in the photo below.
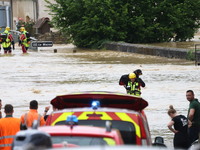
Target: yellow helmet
{"x": 22, "y": 29}
{"x": 8, "y": 28}
{"x": 132, "y": 76}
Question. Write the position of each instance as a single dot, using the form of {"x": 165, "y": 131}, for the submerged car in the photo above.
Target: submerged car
{"x": 125, "y": 112}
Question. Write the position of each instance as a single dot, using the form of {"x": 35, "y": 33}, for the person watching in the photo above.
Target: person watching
{"x": 9, "y": 126}
{"x": 28, "y": 118}
{"x": 180, "y": 129}
{"x": 193, "y": 116}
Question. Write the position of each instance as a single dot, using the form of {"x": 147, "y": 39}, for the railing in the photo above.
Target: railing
{"x": 16, "y": 35}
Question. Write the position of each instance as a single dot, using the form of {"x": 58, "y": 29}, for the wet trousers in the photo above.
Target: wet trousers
{"x": 24, "y": 49}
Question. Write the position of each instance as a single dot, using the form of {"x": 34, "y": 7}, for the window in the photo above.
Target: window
{"x": 126, "y": 129}
{"x": 82, "y": 141}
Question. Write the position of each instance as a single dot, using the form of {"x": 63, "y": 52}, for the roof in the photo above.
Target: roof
{"x": 40, "y": 22}
{"x": 101, "y": 109}
{"x": 107, "y": 99}
{"x": 79, "y": 130}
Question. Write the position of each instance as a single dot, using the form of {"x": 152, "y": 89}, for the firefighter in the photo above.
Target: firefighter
{"x": 9, "y": 126}
{"x": 24, "y": 40}
{"x": 133, "y": 86}
{"x": 7, "y": 40}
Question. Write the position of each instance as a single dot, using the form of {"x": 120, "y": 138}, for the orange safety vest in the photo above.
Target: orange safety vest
{"x": 9, "y": 126}
{"x": 32, "y": 115}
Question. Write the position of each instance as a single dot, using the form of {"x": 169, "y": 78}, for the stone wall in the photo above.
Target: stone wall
{"x": 56, "y": 37}
{"x": 149, "y": 50}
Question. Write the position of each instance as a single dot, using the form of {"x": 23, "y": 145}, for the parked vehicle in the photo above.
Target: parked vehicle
{"x": 73, "y": 135}
{"x": 125, "y": 112}
{"x": 69, "y": 135}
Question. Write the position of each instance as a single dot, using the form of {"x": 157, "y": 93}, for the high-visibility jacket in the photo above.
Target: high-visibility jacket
{"x": 9, "y": 126}
{"x": 9, "y": 39}
{"x": 32, "y": 115}
{"x": 24, "y": 39}
{"x": 134, "y": 88}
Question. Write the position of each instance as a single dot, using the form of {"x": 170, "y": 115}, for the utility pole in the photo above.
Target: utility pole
{"x": 11, "y": 13}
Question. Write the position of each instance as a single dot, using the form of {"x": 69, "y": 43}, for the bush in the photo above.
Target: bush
{"x": 190, "y": 55}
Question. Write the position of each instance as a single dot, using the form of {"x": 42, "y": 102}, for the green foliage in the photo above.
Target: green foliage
{"x": 190, "y": 55}
{"x": 89, "y": 23}
{"x": 28, "y": 26}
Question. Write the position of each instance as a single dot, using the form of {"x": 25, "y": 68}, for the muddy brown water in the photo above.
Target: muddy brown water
{"x": 44, "y": 74}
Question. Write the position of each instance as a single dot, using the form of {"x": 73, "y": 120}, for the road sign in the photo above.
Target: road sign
{"x": 42, "y": 44}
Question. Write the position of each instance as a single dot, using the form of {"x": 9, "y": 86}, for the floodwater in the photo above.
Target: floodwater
{"x": 43, "y": 74}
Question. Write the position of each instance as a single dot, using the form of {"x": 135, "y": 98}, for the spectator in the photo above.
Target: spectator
{"x": 180, "y": 130}
{"x": 9, "y": 126}
{"x": 46, "y": 110}
{"x": 193, "y": 116}
{"x": 28, "y": 118}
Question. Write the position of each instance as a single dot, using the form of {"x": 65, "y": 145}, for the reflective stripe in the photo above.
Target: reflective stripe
{"x": 105, "y": 116}
{"x": 62, "y": 117}
{"x": 125, "y": 117}
{"x": 135, "y": 89}
{"x": 6, "y": 137}
{"x": 5, "y": 145}
{"x": 84, "y": 116}
{"x": 109, "y": 141}
{"x": 26, "y": 118}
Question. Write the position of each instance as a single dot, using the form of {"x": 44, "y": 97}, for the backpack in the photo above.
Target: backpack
{"x": 124, "y": 80}
{"x": 28, "y": 36}
{"x": 3, "y": 37}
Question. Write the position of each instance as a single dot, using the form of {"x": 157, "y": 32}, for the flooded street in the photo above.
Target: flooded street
{"x": 42, "y": 75}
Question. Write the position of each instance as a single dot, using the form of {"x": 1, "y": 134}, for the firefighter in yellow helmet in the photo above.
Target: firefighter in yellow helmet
{"x": 24, "y": 39}
{"x": 133, "y": 86}
{"x": 7, "y": 40}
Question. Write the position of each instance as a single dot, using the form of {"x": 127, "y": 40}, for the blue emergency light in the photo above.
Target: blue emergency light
{"x": 72, "y": 120}
{"x": 95, "y": 104}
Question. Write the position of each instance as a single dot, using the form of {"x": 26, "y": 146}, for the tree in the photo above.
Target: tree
{"x": 89, "y": 23}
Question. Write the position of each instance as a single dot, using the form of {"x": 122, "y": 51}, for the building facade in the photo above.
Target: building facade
{"x": 26, "y": 10}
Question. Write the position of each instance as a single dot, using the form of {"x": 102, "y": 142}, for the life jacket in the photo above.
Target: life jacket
{"x": 124, "y": 80}
{"x": 134, "y": 88}
{"x": 24, "y": 40}
{"x": 6, "y": 42}
{"x": 28, "y": 36}
{"x": 3, "y": 37}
